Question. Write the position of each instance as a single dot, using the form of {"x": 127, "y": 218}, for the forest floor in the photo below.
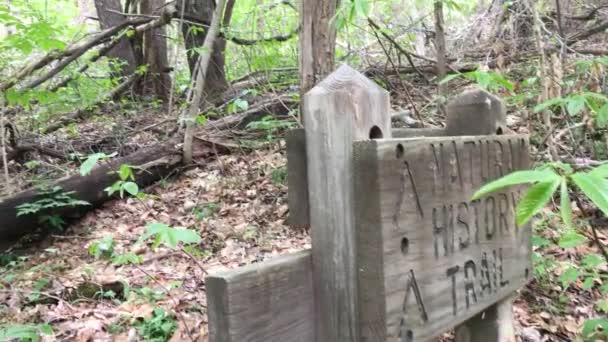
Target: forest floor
{"x": 76, "y": 281}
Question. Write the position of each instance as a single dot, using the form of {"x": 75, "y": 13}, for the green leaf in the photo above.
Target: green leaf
{"x": 571, "y": 239}
{"x": 125, "y": 172}
{"x": 450, "y": 77}
{"x": 534, "y": 200}
{"x": 549, "y": 103}
{"x": 588, "y": 283}
{"x": 131, "y": 188}
{"x": 565, "y": 204}
{"x": 168, "y": 236}
{"x": 590, "y": 327}
{"x": 602, "y": 305}
{"x": 569, "y": 276}
{"x": 600, "y": 171}
{"x": 362, "y": 8}
{"x": 516, "y": 178}
{"x": 575, "y": 104}
{"x": 592, "y": 261}
{"x": 594, "y": 187}
{"x": 90, "y": 162}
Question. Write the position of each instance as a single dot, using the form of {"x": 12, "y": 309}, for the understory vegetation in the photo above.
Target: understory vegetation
{"x": 107, "y": 229}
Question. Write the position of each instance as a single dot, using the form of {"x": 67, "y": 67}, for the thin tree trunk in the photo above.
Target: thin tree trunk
{"x": 317, "y": 41}
{"x": 440, "y": 48}
{"x": 109, "y": 15}
{"x": 198, "y": 82}
{"x": 157, "y": 80}
{"x": 201, "y": 11}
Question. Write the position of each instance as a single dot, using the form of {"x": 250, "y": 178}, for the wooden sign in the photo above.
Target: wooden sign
{"x": 429, "y": 257}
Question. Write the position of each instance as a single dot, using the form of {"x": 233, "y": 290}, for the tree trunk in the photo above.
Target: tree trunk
{"x": 201, "y": 11}
{"x": 157, "y": 80}
{"x": 317, "y": 41}
{"x": 440, "y": 48}
{"x": 123, "y": 51}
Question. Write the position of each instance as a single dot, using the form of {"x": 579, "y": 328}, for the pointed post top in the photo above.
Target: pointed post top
{"x": 345, "y": 78}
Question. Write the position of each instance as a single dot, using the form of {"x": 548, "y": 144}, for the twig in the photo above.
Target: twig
{"x": 195, "y": 261}
{"x": 3, "y": 146}
{"x": 403, "y": 85}
{"x": 595, "y": 235}
{"x": 408, "y": 54}
{"x": 45, "y": 294}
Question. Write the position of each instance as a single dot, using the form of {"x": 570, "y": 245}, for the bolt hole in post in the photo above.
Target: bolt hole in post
{"x": 527, "y": 273}
{"x": 375, "y": 133}
{"x": 400, "y": 151}
{"x": 499, "y": 131}
{"x": 405, "y": 245}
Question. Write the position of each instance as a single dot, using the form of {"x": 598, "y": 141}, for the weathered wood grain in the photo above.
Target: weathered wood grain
{"x": 297, "y": 179}
{"x": 475, "y": 112}
{"x": 493, "y": 324}
{"x": 267, "y": 302}
{"x": 343, "y": 108}
{"x": 429, "y": 258}
{"x": 297, "y": 174}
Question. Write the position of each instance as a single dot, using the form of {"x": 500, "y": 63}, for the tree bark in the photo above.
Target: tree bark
{"x": 201, "y": 11}
{"x": 197, "y": 86}
{"x": 157, "y": 80}
{"x": 440, "y": 48}
{"x": 317, "y": 41}
{"x": 123, "y": 51}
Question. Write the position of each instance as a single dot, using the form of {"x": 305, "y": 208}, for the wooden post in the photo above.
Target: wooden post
{"x": 297, "y": 179}
{"x": 495, "y": 324}
{"x": 270, "y": 301}
{"x": 343, "y": 108}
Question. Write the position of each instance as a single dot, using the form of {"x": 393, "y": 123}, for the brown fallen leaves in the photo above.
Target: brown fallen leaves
{"x": 238, "y": 206}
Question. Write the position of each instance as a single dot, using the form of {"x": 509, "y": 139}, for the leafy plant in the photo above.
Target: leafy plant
{"x": 103, "y": 248}
{"x": 545, "y": 181}
{"x": 49, "y": 201}
{"x": 488, "y": 80}
{"x": 591, "y": 329}
{"x": 279, "y": 175}
{"x": 159, "y": 327}
{"x": 24, "y": 332}
{"x": 168, "y": 236}
{"x": 125, "y": 183}
{"x": 596, "y": 103}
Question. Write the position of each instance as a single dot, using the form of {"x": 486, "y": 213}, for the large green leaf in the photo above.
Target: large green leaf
{"x": 518, "y": 177}
{"x": 575, "y": 104}
{"x": 594, "y": 187}
{"x": 534, "y": 200}
{"x": 569, "y": 276}
{"x": 565, "y": 204}
{"x": 169, "y": 236}
{"x": 89, "y": 164}
{"x": 571, "y": 239}
{"x": 602, "y": 116}
{"x": 590, "y": 327}
{"x": 558, "y": 101}
{"x": 600, "y": 171}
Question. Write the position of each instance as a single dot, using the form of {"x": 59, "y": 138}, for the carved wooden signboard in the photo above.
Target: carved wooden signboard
{"x": 428, "y": 256}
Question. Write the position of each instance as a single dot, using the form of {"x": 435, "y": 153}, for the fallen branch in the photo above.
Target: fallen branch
{"x": 598, "y": 28}
{"x": 152, "y": 163}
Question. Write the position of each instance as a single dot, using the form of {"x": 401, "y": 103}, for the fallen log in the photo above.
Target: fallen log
{"x": 150, "y": 164}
